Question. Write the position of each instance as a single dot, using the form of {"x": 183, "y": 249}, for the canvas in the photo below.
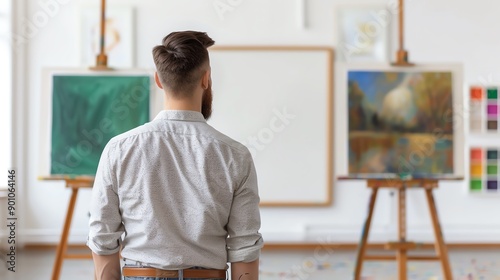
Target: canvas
{"x": 87, "y": 111}
{"x": 400, "y": 122}
{"x": 284, "y": 117}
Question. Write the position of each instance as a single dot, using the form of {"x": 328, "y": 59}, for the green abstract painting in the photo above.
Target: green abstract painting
{"x": 87, "y": 111}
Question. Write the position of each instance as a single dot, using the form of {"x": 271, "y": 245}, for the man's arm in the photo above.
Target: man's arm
{"x": 105, "y": 223}
{"x": 107, "y": 267}
{"x": 245, "y": 271}
{"x": 244, "y": 240}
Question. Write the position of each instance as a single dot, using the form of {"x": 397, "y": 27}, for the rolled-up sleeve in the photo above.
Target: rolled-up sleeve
{"x": 105, "y": 222}
{"x": 244, "y": 240}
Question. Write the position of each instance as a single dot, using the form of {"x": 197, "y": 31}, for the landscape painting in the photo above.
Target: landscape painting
{"x": 400, "y": 122}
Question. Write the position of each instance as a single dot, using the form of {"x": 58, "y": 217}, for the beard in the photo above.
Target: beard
{"x": 206, "y": 103}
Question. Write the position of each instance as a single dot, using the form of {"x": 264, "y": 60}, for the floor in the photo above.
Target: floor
{"x": 466, "y": 265}
{"x": 285, "y": 265}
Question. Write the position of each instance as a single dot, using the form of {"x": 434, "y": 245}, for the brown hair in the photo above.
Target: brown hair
{"x": 179, "y": 58}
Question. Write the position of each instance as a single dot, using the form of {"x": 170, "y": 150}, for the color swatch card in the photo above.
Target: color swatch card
{"x": 492, "y": 109}
{"x": 484, "y": 169}
{"x": 484, "y": 109}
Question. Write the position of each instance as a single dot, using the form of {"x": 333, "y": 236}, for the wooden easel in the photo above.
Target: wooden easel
{"x": 75, "y": 184}
{"x": 102, "y": 58}
{"x": 402, "y": 246}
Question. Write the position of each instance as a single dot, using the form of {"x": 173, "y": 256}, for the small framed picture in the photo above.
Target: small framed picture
{"x": 119, "y": 36}
{"x": 362, "y": 33}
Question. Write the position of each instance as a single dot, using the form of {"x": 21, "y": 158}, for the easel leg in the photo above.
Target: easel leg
{"x": 364, "y": 236}
{"x": 61, "y": 248}
{"x": 401, "y": 255}
{"x": 441, "y": 249}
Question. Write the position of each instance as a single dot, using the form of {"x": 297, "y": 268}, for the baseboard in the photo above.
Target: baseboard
{"x": 53, "y": 246}
{"x": 51, "y": 236}
{"x": 306, "y": 246}
{"x": 346, "y": 235}
{"x": 351, "y": 234}
{"x": 374, "y": 246}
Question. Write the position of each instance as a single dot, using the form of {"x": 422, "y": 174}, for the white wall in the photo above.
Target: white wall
{"x": 437, "y": 31}
{"x": 5, "y": 86}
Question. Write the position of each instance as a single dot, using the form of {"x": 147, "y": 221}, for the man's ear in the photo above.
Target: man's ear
{"x": 205, "y": 80}
{"x": 157, "y": 80}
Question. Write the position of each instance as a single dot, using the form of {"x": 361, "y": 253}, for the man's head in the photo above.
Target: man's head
{"x": 183, "y": 67}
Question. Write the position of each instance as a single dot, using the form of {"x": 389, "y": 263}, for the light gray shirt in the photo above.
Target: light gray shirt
{"x": 181, "y": 193}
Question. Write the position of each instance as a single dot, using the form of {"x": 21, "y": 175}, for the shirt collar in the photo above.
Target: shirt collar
{"x": 180, "y": 115}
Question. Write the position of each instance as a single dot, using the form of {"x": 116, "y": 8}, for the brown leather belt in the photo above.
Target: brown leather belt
{"x": 187, "y": 273}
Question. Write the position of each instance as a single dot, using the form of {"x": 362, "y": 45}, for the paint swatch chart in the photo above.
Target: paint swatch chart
{"x": 484, "y": 109}
{"x": 484, "y": 169}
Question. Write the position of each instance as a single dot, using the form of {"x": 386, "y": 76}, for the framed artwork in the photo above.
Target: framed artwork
{"x": 402, "y": 121}
{"x": 363, "y": 33}
{"x": 277, "y": 101}
{"x": 119, "y": 36}
{"x": 82, "y": 110}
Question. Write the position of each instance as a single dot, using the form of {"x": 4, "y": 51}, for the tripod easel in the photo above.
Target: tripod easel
{"x": 75, "y": 184}
{"x": 402, "y": 246}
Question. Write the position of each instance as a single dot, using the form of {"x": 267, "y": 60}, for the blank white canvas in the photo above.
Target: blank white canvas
{"x": 252, "y": 92}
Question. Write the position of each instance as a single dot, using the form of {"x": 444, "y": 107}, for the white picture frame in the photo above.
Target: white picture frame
{"x": 119, "y": 38}
{"x": 363, "y": 33}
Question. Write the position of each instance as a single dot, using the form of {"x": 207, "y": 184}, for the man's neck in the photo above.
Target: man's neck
{"x": 182, "y": 104}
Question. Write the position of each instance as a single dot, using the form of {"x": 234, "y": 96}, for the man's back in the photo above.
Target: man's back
{"x": 182, "y": 194}
{"x": 175, "y": 180}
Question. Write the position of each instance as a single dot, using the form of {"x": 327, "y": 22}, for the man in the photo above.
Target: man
{"x": 183, "y": 195}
